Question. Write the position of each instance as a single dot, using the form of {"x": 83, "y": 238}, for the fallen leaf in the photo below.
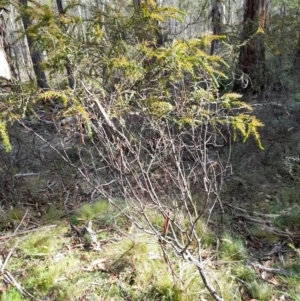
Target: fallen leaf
{"x": 3, "y": 289}
{"x": 264, "y": 275}
{"x": 268, "y": 263}
{"x": 84, "y": 257}
{"x": 113, "y": 279}
{"x": 97, "y": 265}
{"x": 273, "y": 281}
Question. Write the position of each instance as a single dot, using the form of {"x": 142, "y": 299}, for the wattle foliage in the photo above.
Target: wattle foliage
{"x": 114, "y": 53}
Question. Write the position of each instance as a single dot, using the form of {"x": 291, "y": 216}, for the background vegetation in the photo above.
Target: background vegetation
{"x": 149, "y": 150}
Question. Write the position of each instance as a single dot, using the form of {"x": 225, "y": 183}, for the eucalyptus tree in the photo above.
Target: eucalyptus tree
{"x": 35, "y": 53}
{"x": 217, "y": 19}
{"x": 69, "y": 69}
{"x": 252, "y": 50}
{"x": 6, "y": 68}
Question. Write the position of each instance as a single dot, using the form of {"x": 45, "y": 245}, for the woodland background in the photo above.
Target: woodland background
{"x": 149, "y": 150}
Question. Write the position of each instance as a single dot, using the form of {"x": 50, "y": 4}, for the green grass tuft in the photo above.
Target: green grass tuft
{"x": 40, "y": 243}
{"x": 232, "y": 249}
{"x": 166, "y": 292}
{"x": 244, "y": 273}
{"x": 260, "y": 291}
{"x": 93, "y": 210}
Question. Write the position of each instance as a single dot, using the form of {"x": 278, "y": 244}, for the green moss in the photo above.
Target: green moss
{"x": 93, "y": 210}
{"x": 11, "y": 295}
{"x": 40, "y": 243}
{"x": 56, "y": 275}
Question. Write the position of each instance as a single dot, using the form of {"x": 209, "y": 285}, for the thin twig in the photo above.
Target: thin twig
{"x": 7, "y": 258}
{"x": 29, "y": 174}
{"x": 10, "y": 279}
{"x": 25, "y": 232}
{"x": 187, "y": 255}
{"x": 168, "y": 262}
{"x": 16, "y": 230}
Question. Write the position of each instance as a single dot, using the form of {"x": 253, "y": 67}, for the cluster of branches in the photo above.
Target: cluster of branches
{"x": 148, "y": 143}
{"x": 147, "y": 119}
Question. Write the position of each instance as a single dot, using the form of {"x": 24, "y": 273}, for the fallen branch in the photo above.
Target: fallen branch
{"x": 203, "y": 275}
{"x": 252, "y": 212}
{"x": 29, "y": 174}
{"x": 25, "y": 232}
{"x": 21, "y": 222}
{"x": 9, "y": 279}
{"x": 267, "y": 269}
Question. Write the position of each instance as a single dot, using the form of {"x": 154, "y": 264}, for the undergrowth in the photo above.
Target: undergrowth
{"x": 52, "y": 264}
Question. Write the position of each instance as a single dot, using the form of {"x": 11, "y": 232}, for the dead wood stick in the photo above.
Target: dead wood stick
{"x": 267, "y": 269}
{"x": 25, "y": 232}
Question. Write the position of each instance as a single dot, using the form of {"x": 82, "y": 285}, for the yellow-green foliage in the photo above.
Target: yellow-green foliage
{"x": 207, "y": 238}
{"x": 160, "y": 108}
{"x": 231, "y": 100}
{"x": 52, "y": 213}
{"x": 295, "y": 249}
{"x": 150, "y": 11}
{"x": 4, "y": 136}
{"x": 156, "y": 219}
{"x": 73, "y": 106}
{"x": 244, "y": 123}
{"x": 128, "y": 66}
{"x": 49, "y": 96}
{"x": 42, "y": 278}
{"x": 247, "y": 125}
{"x": 128, "y": 62}
{"x": 186, "y": 57}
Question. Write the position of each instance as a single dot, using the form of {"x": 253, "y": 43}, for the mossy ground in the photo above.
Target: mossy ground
{"x": 260, "y": 225}
{"x": 51, "y": 264}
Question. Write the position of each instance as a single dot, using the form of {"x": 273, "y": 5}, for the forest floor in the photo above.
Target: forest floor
{"x": 252, "y": 255}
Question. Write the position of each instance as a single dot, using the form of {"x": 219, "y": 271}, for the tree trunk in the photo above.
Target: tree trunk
{"x": 296, "y": 60}
{"x": 35, "y": 54}
{"x": 6, "y": 66}
{"x": 69, "y": 70}
{"x": 252, "y": 51}
{"x": 217, "y": 16}
{"x": 297, "y": 55}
